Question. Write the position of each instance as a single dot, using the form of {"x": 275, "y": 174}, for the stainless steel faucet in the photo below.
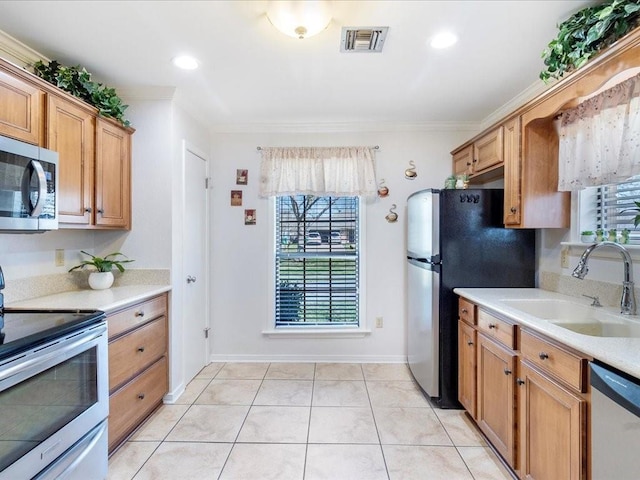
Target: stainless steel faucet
{"x": 628, "y": 300}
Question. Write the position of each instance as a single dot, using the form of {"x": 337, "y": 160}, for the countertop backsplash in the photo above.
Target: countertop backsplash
{"x": 33, "y": 287}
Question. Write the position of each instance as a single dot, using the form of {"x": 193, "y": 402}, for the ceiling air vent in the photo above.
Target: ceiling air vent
{"x": 363, "y": 39}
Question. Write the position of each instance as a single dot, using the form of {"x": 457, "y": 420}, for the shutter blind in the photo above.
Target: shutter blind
{"x": 612, "y": 201}
{"x": 317, "y": 261}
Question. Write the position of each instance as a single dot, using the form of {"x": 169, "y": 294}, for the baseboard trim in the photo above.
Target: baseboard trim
{"x": 310, "y": 358}
{"x": 171, "y": 397}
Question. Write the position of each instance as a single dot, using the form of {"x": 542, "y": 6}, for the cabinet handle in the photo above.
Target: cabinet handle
{"x": 141, "y": 396}
{"x": 468, "y": 164}
{"x": 507, "y": 371}
{"x": 464, "y": 310}
{"x": 514, "y": 209}
{"x": 492, "y": 325}
{"x": 139, "y": 314}
{"x": 88, "y": 210}
{"x": 475, "y": 160}
{"x": 543, "y": 356}
{"x": 469, "y": 342}
{"x": 141, "y": 349}
{"x": 520, "y": 381}
{"x": 100, "y": 211}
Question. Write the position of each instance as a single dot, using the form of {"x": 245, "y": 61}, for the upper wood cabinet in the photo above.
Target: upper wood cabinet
{"x": 463, "y": 161}
{"x": 512, "y": 173}
{"x": 21, "y": 109}
{"x": 488, "y": 151}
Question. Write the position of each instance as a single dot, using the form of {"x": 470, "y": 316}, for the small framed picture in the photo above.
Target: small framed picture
{"x": 236, "y": 198}
{"x": 250, "y": 217}
{"x": 242, "y": 176}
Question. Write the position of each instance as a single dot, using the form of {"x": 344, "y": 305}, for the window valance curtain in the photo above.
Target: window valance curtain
{"x": 600, "y": 138}
{"x": 334, "y": 171}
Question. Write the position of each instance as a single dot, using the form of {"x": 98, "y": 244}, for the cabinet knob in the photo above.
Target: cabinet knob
{"x": 514, "y": 209}
{"x": 139, "y": 314}
{"x": 492, "y": 325}
{"x": 520, "y": 381}
{"x": 543, "y": 356}
{"x": 469, "y": 342}
{"x": 100, "y": 211}
{"x": 88, "y": 210}
{"x": 475, "y": 160}
{"x": 141, "y": 349}
{"x": 464, "y": 310}
{"x": 141, "y": 396}
{"x": 468, "y": 164}
{"x": 507, "y": 371}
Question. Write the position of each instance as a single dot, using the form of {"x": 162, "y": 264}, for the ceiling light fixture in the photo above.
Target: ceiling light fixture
{"x": 185, "y": 62}
{"x": 443, "y": 40}
{"x": 301, "y": 18}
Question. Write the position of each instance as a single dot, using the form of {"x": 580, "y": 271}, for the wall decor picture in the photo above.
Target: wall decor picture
{"x": 250, "y": 217}
{"x": 236, "y": 198}
{"x": 242, "y": 176}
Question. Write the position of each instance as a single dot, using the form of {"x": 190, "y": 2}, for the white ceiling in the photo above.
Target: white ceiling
{"x": 252, "y": 74}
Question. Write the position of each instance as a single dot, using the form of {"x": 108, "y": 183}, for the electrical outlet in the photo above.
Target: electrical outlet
{"x": 564, "y": 257}
{"x": 378, "y": 322}
{"x": 59, "y": 257}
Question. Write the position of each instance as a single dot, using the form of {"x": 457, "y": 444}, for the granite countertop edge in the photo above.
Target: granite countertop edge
{"x": 621, "y": 353}
{"x": 108, "y": 300}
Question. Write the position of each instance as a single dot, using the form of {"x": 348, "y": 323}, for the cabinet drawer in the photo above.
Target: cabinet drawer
{"x": 135, "y": 315}
{"x": 137, "y": 399}
{"x": 560, "y": 363}
{"x": 493, "y": 327}
{"x": 467, "y": 311}
{"x": 133, "y": 352}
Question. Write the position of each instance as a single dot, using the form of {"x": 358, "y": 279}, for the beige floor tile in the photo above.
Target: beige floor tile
{"x": 209, "y": 423}
{"x": 210, "y": 370}
{"x": 285, "y": 392}
{"x": 410, "y": 426}
{"x": 290, "y": 371}
{"x": 460, "y": 428}
{"x": 180, "y": 461}
{"x": 339, "y": 371}
{"x": 342, "y": 425}
{"x": 160, "y": 424}
{"x": 386, "y": 371}
{"x": 124, "y": 464}
{"x": 484, "y": 464}
{"x": 275, "y": 424}
{"x": 229, "y": 392}
{"x": 243, "y": 371}
{"x": 396, "y": 394}
{"x": 422, "y": 462}
{"x": 340, "y": 393}
{"x": 195, "y": 387}
{"x": 273, "y": 461}
{"x": 345, "y": 462}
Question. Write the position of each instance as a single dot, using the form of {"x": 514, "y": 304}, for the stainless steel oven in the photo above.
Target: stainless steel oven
{"x": 53, "y": 395}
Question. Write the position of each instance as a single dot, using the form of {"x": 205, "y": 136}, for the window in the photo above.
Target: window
{"x": 317, "y": 261}
{"x": 609, "y": 207}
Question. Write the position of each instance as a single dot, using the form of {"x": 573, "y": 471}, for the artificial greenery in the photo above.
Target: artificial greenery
{"x": 77, "y": 81}
{"x": 587, "y": 32}
{"x": 636, "y": 209}
{"x": 105, "y": 264}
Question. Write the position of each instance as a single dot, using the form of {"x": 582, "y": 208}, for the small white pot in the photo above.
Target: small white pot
{"x": 100, "y": 280}
{"x": 587, "y": 238}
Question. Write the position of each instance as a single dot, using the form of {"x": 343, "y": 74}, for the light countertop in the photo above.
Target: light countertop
{"x": 621, "y": 353}
{"x": 107, "y": 300}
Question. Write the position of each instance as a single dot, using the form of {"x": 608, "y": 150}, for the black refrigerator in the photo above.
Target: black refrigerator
{"x": 455, "y": 238}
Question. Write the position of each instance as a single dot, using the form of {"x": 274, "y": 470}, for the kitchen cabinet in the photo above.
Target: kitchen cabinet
{"x": 21, "y": 108}
{"x": 512, "y": 173}
{"x": 483, "y": 155}
{"x": 138, "y": 365}
{"x": 463, "y": 161}
{"x": 467, "y": 367}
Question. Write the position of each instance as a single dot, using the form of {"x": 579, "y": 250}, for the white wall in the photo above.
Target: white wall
{"x": 243, "y": 263}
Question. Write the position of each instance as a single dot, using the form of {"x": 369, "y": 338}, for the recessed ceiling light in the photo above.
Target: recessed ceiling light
{"x": 443, "y": 40}
{"x": 185, "y": 62}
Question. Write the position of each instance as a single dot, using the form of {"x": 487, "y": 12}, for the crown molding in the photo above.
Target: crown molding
{"x": 17, "y": 52}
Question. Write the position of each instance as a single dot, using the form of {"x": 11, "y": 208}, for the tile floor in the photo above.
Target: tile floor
{"x": 305, "y": 421}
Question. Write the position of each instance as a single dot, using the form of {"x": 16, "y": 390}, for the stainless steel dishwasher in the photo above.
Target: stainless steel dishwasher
{"x": 615, "y": 424}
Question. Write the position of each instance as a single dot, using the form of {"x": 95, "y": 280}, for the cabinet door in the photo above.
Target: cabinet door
{"x": 467, "y": 367}
{"x": 113, "y": 173}
{"x": 21, "y": 109}
{"x": 512, "y": 173}
{"x": 495, "y": 409}
{"x": 488, "y": 151}
{"x": 463, "y": 161}
{"x": 71, "y": 133}
{"x": 552, "y": 428}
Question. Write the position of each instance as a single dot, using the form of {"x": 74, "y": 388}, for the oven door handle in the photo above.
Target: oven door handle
{"x": 34, "y": 210}
{"x": 62, "y": 350}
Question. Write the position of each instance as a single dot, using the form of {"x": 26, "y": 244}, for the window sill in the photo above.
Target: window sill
{"x": 579, "y": 247}
{"x": 304, "y": 332}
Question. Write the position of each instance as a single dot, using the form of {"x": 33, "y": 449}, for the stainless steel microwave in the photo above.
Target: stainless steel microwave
{"x": 28, "y": 187}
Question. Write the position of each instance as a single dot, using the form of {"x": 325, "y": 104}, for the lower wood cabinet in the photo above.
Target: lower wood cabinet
{"x": 467, "y": 367}
{"x": 138, "y": 365}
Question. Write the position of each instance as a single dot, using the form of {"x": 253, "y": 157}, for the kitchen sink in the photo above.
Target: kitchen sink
{"x": 578, "y": 318}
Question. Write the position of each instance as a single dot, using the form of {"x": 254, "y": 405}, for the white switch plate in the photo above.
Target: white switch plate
{"x": 379, "y": 322}
{"x": 59, "y": 257}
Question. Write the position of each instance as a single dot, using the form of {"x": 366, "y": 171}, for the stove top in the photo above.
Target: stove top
{"x": 21, "y": 330}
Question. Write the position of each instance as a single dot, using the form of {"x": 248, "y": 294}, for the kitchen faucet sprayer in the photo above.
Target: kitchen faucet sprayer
{"x": 628, "y": 299}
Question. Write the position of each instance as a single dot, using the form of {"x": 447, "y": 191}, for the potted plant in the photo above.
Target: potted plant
{"x": 102, "y": 278}
{"x": 612, "y": 235}
{"x": 599, "y": 235}
{"x": 587, "y": 236}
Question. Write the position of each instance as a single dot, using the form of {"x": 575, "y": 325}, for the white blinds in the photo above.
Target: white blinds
{"x": 335, "y": 171}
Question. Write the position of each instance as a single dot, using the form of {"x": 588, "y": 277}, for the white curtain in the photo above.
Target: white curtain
{"x": 335, "y": 171}
{"x": 600, "y": 138}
